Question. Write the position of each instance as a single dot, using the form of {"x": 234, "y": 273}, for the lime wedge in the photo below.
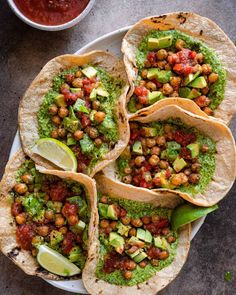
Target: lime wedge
{"x": 56, "y": 263}
{"x": 187, "y": 213}
{"x": 56, "y": 152}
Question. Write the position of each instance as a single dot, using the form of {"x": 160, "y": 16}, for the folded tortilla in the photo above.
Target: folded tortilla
{"x": 197, "y": 27}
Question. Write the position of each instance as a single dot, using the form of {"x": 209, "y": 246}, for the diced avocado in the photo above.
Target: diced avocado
{"x": 194, "y": 149}
{"x": 86, "y": 144}
{"x": 135, "y": 253}
{"x": 179, "y": 164}
{"x": 75, "y": 90}
{"x": 55, "y": 237}
{"x": 111, "y": 212}
{"x": 132, "y": 105}
{"x": 101, "y": 90}
{"x": 140, "y": 257}
{"x": 75, "y": 254}
{"x": 79, "y": 227}
{"x": 163, "y": 76}
{"x": 79, "y": 106}
{"x": 123, "y": 229}
{"x": 60, "y": 100}
{"x": 149, "y": 131}
{"x": 70, "y": 140}
{"x": 172, "y": 151}
{"x": 186, "y": 92}
{"x": 134, "y": 241}
{"x": 93, "y": 94}
{"x": 153, "y": 96}
{"x": 199, "y": 82}
{"x": 141, "y": 233}
{"x": 194, "y": 93}
{"x": 55, "y": 206}
{"x": 158, "y": 43}
{"x": 116, "y": 241}
{"x": 89, "y": 72}
{"x": 152, "y": 73}
{"x": 160, "y": 242}
{"x": 137, "y": 148}
{"x": 190, "y": 78}
{"x": 148, "y": 236}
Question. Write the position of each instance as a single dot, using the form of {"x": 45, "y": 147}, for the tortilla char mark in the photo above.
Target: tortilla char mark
{"x": 14, "y": 252}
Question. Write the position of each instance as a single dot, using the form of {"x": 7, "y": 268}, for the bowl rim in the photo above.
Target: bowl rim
{"x": 64, "y": 26}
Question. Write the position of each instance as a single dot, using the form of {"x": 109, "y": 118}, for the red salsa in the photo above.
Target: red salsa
{"x": 51, "y": 12}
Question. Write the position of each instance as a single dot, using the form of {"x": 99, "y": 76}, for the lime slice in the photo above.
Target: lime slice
{"x": 56, "y": 152}
{"x": 56, "y": 263}
{"x": 187, "y": 213}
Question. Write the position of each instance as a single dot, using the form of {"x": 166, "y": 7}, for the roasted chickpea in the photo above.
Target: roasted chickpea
{"x": 147, "y": 64}
{"x": 194, "y": 178}
{"x": 59, "y": 221}
{"x": 104, "y": 223}
{"x": 113, "y": 225}
{"x": 167, "y": 67}
{"x": 150, "y": 142}
{"x": 104, "y": 200}
{"x": 132, "y": 232}
{"x": 99, "y": 117}
{"x": 205, "y": 90}
{"x": 93, "y": 132}
{"x": 78, "y": 74}
{"x": 54, "y": 133}
{"x": 174, "y": 94}
{"x": 161, "y": 64}
{"x": 161, "y": 141}
{"x": 151, "y": 86}
{"x": 97, "y": 141}
{"x": 96, "y": 104}
{"x": 144, "y": 73}
{"x": 27, "y": 178}
{"x": 127, "y": 179}
{"x": 163, "y": 164}
{"x": 77, "y": 83}
{"x": 197, "y": 68}
{"x": 208, "y": 111}
{"x": 34, "y": 252}
{"x": 43, "y": 230}
{"x": 130, "y": 265}
{"x": 65, "y": 86}
{"x": 139, "y": 160}
{"x": 21, "y": 218}
{"x": 143, "y": 264}
{"x": 155, "y": 150}
{"x": 196, "y": 167}
{"x": 206, "y": 69}
{"x": 165, "y": 231}
{"x": 171, "y": 239}
{"x": 146, "y": 219}
{"x": 175, "y": 81}
{"x": 180, "y": 44}
{"x": 136, "y": 222}
{"x": 53, "y": 109}
{"x": 213, "y": 77}
{"x": 63, "y": 112}
{"x": 199, "y": 58}
{"x": 154, "y": 262}
{"x": 127, "y": 170}
{"x": 63, "y": 230}
{"x": 167, "y": 89}
{"x": 204, "y": 148}
{"x": 125, "y": 220}
{"x": 155, "y": 218}
{"x": 78, "y": 135}
{"x": 20, "y": 188}
{"x": 127, "y": 274}
{"x": 153, "y": 160}
{"x": 142, "y": 83}
{"x": 179, "y": 179}
{"x": 49, "y": 215}
{"x": 56, "y": 120}
{"x": 161, "y": 54}
{"x": 163, "y": 255}
{"x": 187, "y": 172}
{"x": 61, "y": 132}
{"x": 72, "y": 219}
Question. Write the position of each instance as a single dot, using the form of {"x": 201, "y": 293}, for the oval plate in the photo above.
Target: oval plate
{"x": 110, "y": 42}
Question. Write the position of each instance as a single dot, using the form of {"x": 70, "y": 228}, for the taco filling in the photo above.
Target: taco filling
{"x": 167, "y": 154}
{"x": 173, "y": 64}
{"x": 136, "y": 241}
{"x": 50, "y": 211}
{"x": 79, "y": 111}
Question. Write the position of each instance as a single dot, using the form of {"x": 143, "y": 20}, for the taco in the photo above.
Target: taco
{"x": 185, "y": 55}
{"x": 80, "y": 102}
{"x": 135, "y": 250}
{"x": 50, "y": 208}
{"x": 172, "y": 149}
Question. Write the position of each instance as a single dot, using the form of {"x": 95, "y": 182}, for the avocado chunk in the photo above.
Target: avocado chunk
{"x": 190, "y": 78}
{"x": 148, "y": 236}
{"x": 86, "y": 144}
{"x": 93, "y": 94}
{"x": 134, "y": 241}
{"x": 186, "y": 92}
{"x": 140, "y": 257}
{"x": 55, "y": 206}
{"x": 137, "y": 148}
{"x": 152, "y": 73}
{"x": 60, "y": 100}
{"x": 141, "y": 233}
{"x": 135, "y": 253}
{"x": 123, "y": 229}
{"x": 153, "y": 96}
{"x": 79, "y": 106}
{"x": 111, "y": 212}
{"x": 194, "y": 149}
{"x": 163, "y": 76}
{"x": 179, "y": 164}
{"x": 172, "y": 151}
{"x": 101, "y": 90}
{"x": 132, "y": 105}
{"x": 102, "y": 209}
{"x": 116, "y": 241}
{"x": 158, "y": 43}
{"x": 89, "y": 72}
{"x": 55, "y": 237}
{"x": 194, "y": 93}
{"x": 149, "y": 131}
{"x": 70, "y": 140}
{"x": 75, "y": 90}
{"x": 160, "y": 242}
{"x": 199, "y": 82}
{"x": 70, "y": 124}
{"x": 79, "y": 227}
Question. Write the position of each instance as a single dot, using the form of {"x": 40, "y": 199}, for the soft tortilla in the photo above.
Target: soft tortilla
{"x": 34, "y": 96}
{"x": 198, "y": 27}
{"x": 225, "y": 171}
{"x": 8, "y": 244}
{"x": 162, "y": 278}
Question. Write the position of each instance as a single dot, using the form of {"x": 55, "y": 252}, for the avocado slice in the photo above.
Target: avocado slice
{"x": 199, "y": 82}
{"x": 117, "y": 242}
{"x": 75, "y": 90}
{"x": 55, "y": 237}
{"x": 93, "y": 94}
{"x": 186, "y": 92}
{"x": 194, "y": 149}
{"x": 79, "y": 227}
{"x": 70, "y": 140}
{"x": 134, "y": 241}
{"x": 79, "y": 106}
{"x": 89, "y": 72}
{"x": 123, "y": 229}
{"x": 194, "y": 93}
{"x": 153, "y": 96}
{"x": 148, "y": 236}
{"x": 70, "y": 124}
{"x": 140, "y": 257}
{"x": 152, "y": 73}
{"x": 190, "y": 78}
{"x": 60, "y": 100}
{"x": 111, "y": 212}
{"x": 101, "y": 90}
{"x": 163, "y": 76}
{"x": 179, "y": 164}
{"x": 149, "y": 131}
{"x": 160, "y": 242}
{"x": 158, "y": 43}
{"x": 102, "y": 209}
{"x": 135, "y": 253}
{"x": 137, "y": 147}
{"x": 132, "y": 105}
{"x": 141, "y": 233}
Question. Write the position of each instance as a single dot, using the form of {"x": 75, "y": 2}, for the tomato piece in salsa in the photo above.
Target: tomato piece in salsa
{"x": 51, "y": 12}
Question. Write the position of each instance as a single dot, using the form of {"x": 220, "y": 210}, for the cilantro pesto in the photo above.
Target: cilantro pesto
{"x": 80, "y": 111}
{"x": 135, "y": 241}
{"x": 168, "y": 154}
{"x": 171, "y": 64}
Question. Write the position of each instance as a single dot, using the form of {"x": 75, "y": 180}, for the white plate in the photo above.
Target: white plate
{"x": 110, "y": 42}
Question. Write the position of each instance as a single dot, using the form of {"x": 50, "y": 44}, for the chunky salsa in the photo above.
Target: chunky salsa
{"x": 167, "y": 154}
{"x": 50, "y": 211}
{"x": 80, "y": 112}
{"x": 172, "y": 64}
{"x": 135, "y": 240}
{"x": 51, "y": 12}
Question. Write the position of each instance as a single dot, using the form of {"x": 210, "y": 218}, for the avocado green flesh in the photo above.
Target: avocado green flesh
{"x": 216, "y": 93}
{"x": 135, "y": 210}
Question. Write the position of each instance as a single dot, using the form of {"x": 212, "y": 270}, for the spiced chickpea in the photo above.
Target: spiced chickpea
{"x": 56, "y": 120}
{"x": 163, "y": 255}
{"x": 93, "y": 132}
{"x": 125, "y": 220}
{"x": 187, "y": 172}
{"x": 161, "y": 54}
{"x": 144, "y": 73}
{"x": 53, "y": 109}
{"x": 49, "y": 215}
{"x": 167, "y": 67}
{"x": 180, "y": 44}
{"x": 200, "y": 58}
{"x": 21, "y": 218}
{"x": 151, "y": 86}
{"x": 142, "y": 83}
{"x": 175, "y": 81}
{"x": 65, "y": 86}
{"x": 77, "y": 83}
{"x": 127, "y": 179}
{"x": 27, "y": 178}
{"x": 161, "y": 64}
{"x": 204, "y": 148}
{"x": 43, "y": 230}
{"x": 165, "y": 231}
{"x": 154, "y": 262}
{"x": 171, "y": 239}
{"x": 197, "y": 68}
{"x": 150, "y": 142}
{"x": 132, "y": 232}
{"x": 155, "y": 150}
{"x": 208, "y": 111}
{"x": 127, "y": 170}
{"x": 139, "y": 160}
{"x": 21, "y": 188}
{"x": 179, "y": 179}
{"x": 72, "y": 219}
{"x": 213, "y": 77}
{"x": 63, "y": 112}
{"x": 205, "y": 90}
{"x": 59, "y": 221}
{"x": 153, "y": 160}
{"x": 104, "y": 223}
{"x": 206, "y": 69}
{"x": 54, "y": 134}
{"x": 97, "y": 141}
{"x": 143, "y": 264}
{"x": 96, "y": 104}
{"x": 146, "y": 219}
{"x": 155, "y": 218}
{"x": 136, "y": 222}
{"x": 104, "y": 200}
{"x": 63, "y": 230}
{"x": 147, "y": 64}
{"x": 127, "y": 274}
{"x": 195, "y": 167}
{"x": 174, "y": 94}
{"x": 34, "y": 252}
{"x": 113, "y": 225}
{"x": 163, "y": 164}
{"x": 194, "y": 178}
{"x": 78, "y": 135}
{"x": 161, "y": 141}
{"x": 167, "y": 89}
{"x": 61, "y": 132}
{"x": 99, "y": 117}
{"x": 78, "y": 74}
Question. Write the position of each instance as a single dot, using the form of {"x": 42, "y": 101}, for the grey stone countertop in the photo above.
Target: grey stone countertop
{"x": 24, "y": 50}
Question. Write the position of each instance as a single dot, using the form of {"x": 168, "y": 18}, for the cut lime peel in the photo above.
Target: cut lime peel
{"x": 188, "y": 213}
